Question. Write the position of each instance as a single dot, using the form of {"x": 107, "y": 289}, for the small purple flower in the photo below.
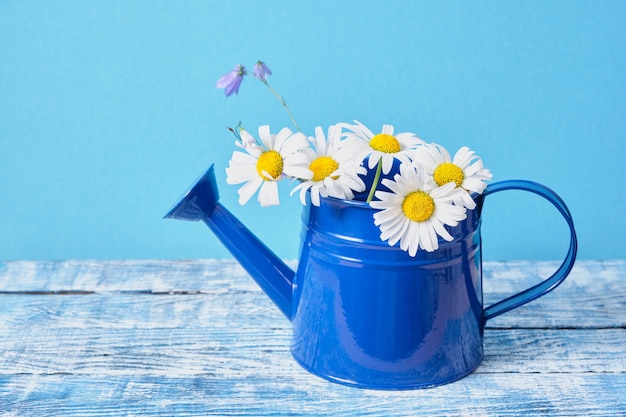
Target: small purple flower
{"x": 261, "y": 71}
{"x": 230, "y": 82}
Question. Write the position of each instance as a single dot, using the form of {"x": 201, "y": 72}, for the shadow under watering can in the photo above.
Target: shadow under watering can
{"x": 367, "y": 314}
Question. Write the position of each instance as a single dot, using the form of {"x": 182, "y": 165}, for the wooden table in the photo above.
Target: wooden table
{"x": 197, "y": 338}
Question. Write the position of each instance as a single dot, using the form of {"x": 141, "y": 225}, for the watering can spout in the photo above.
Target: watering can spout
{"x": 200, "y": 202}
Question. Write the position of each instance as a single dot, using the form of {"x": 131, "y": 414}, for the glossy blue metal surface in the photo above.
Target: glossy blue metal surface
{"x": 369, "y": 315}
{"x": 364, "y": 313}
{"x": 200, "y": 202}
{"x": 561, "y": 273}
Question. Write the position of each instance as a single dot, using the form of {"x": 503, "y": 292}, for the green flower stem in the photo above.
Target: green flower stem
{"x": 379, "y": 168}
{"x": 283, "y": 103}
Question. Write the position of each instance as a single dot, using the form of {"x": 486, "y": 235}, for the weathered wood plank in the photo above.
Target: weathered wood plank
{"x": 191, "y": 338}
{"x": 189, "y": 334}
{"x": 477, "y": 395}
{"x": 130, "y": 275}
{"x": 594, "y": 296}
{"x": 501, "y": 278}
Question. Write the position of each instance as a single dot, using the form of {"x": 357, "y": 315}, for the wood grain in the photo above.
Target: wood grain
{"x": 191, "y": 338}
{"x": 477, "y": 395}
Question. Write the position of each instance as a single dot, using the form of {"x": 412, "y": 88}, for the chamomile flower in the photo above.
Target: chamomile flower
{"x": 385, "y": 146}
{"x": 261, "y": 167}
{"x": 334, "y": 166}
{"x": 416, "y": 210}
{"x": 465, "y": 170}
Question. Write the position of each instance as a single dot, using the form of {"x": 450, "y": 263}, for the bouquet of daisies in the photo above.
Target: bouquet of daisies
{"x": 418, "y": 188}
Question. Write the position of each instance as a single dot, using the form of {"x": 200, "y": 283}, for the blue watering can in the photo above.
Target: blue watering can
{"x": 367, "y": 314}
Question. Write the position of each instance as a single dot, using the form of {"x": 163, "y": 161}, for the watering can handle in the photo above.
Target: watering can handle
{"x": 551, "y": 283}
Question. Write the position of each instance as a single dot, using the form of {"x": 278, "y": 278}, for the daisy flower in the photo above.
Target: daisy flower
{"x": 465, "y": 170}
{"x": 261, "y": 167}
{"x": 416, "y": 210}
{"x": 384, "y": 146}
{"x": 334, "y": 166}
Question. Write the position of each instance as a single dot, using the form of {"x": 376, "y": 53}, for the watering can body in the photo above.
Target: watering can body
{"x": 365, "y": 313}
{"x": 368, "y": 314}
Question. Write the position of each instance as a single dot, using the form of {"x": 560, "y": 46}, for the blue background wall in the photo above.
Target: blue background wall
{"x": 108, "y": 111}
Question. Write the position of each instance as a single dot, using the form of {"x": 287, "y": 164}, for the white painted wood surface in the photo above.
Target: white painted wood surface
{"x": 197, "y": 338}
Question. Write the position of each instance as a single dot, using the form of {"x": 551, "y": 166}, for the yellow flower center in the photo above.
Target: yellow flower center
{"x": 270, "y": 162}
{"x": 418, "y": 206}
{"x": 322, "y": 167}
{"x": 448, "y": 172}
{"x": 385, "y": 143}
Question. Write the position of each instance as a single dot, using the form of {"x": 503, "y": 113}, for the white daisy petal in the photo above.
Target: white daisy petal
{"x": 385, "y": 216}
{"x": 441, "y": 230}
{"x": 467, "y": 199}
{"x": 323, "y": 191}
{"x": 347, "y": 195}
{"x": 444, "y": 191}
{"x": 473, "y": 169}
{"x": 282, "y": 138}
{"x": 409, "y": 140}
{"x": 412, "y": 238}
{"x": 450, "y": 214}
{"x": 387, "y": 129}
{"x": 267, "y": 176}
{"x": 444, "y": 153}
{"x": 425, "y": 237}
{"x": 266, "y": 136}
{"x": 248, "y": 190}
{"x": 244, "y": 158}
{"x": 303, "y": 187}
{"x": 389, "y": 224}
{"x": 434, "y": 239}
{"x": 240, "y": 176}
{"x": 387, "y": 164}
{"x": 373, "y": 161}
{"x": 398, "y": 231}
{"x": 293, "y": 144}
{"x": 303, "y": 192}
{"x": 353, "y": 182}
{"x": 268, "y": 194}
{"x": 297, "y": 158}
{"x": 463, "y": 157}
{"x": 365, "y": 131}
{"x": 393, "y": 186}
{"x": 298, "y": 172}
{"x": 254, "y": 151}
